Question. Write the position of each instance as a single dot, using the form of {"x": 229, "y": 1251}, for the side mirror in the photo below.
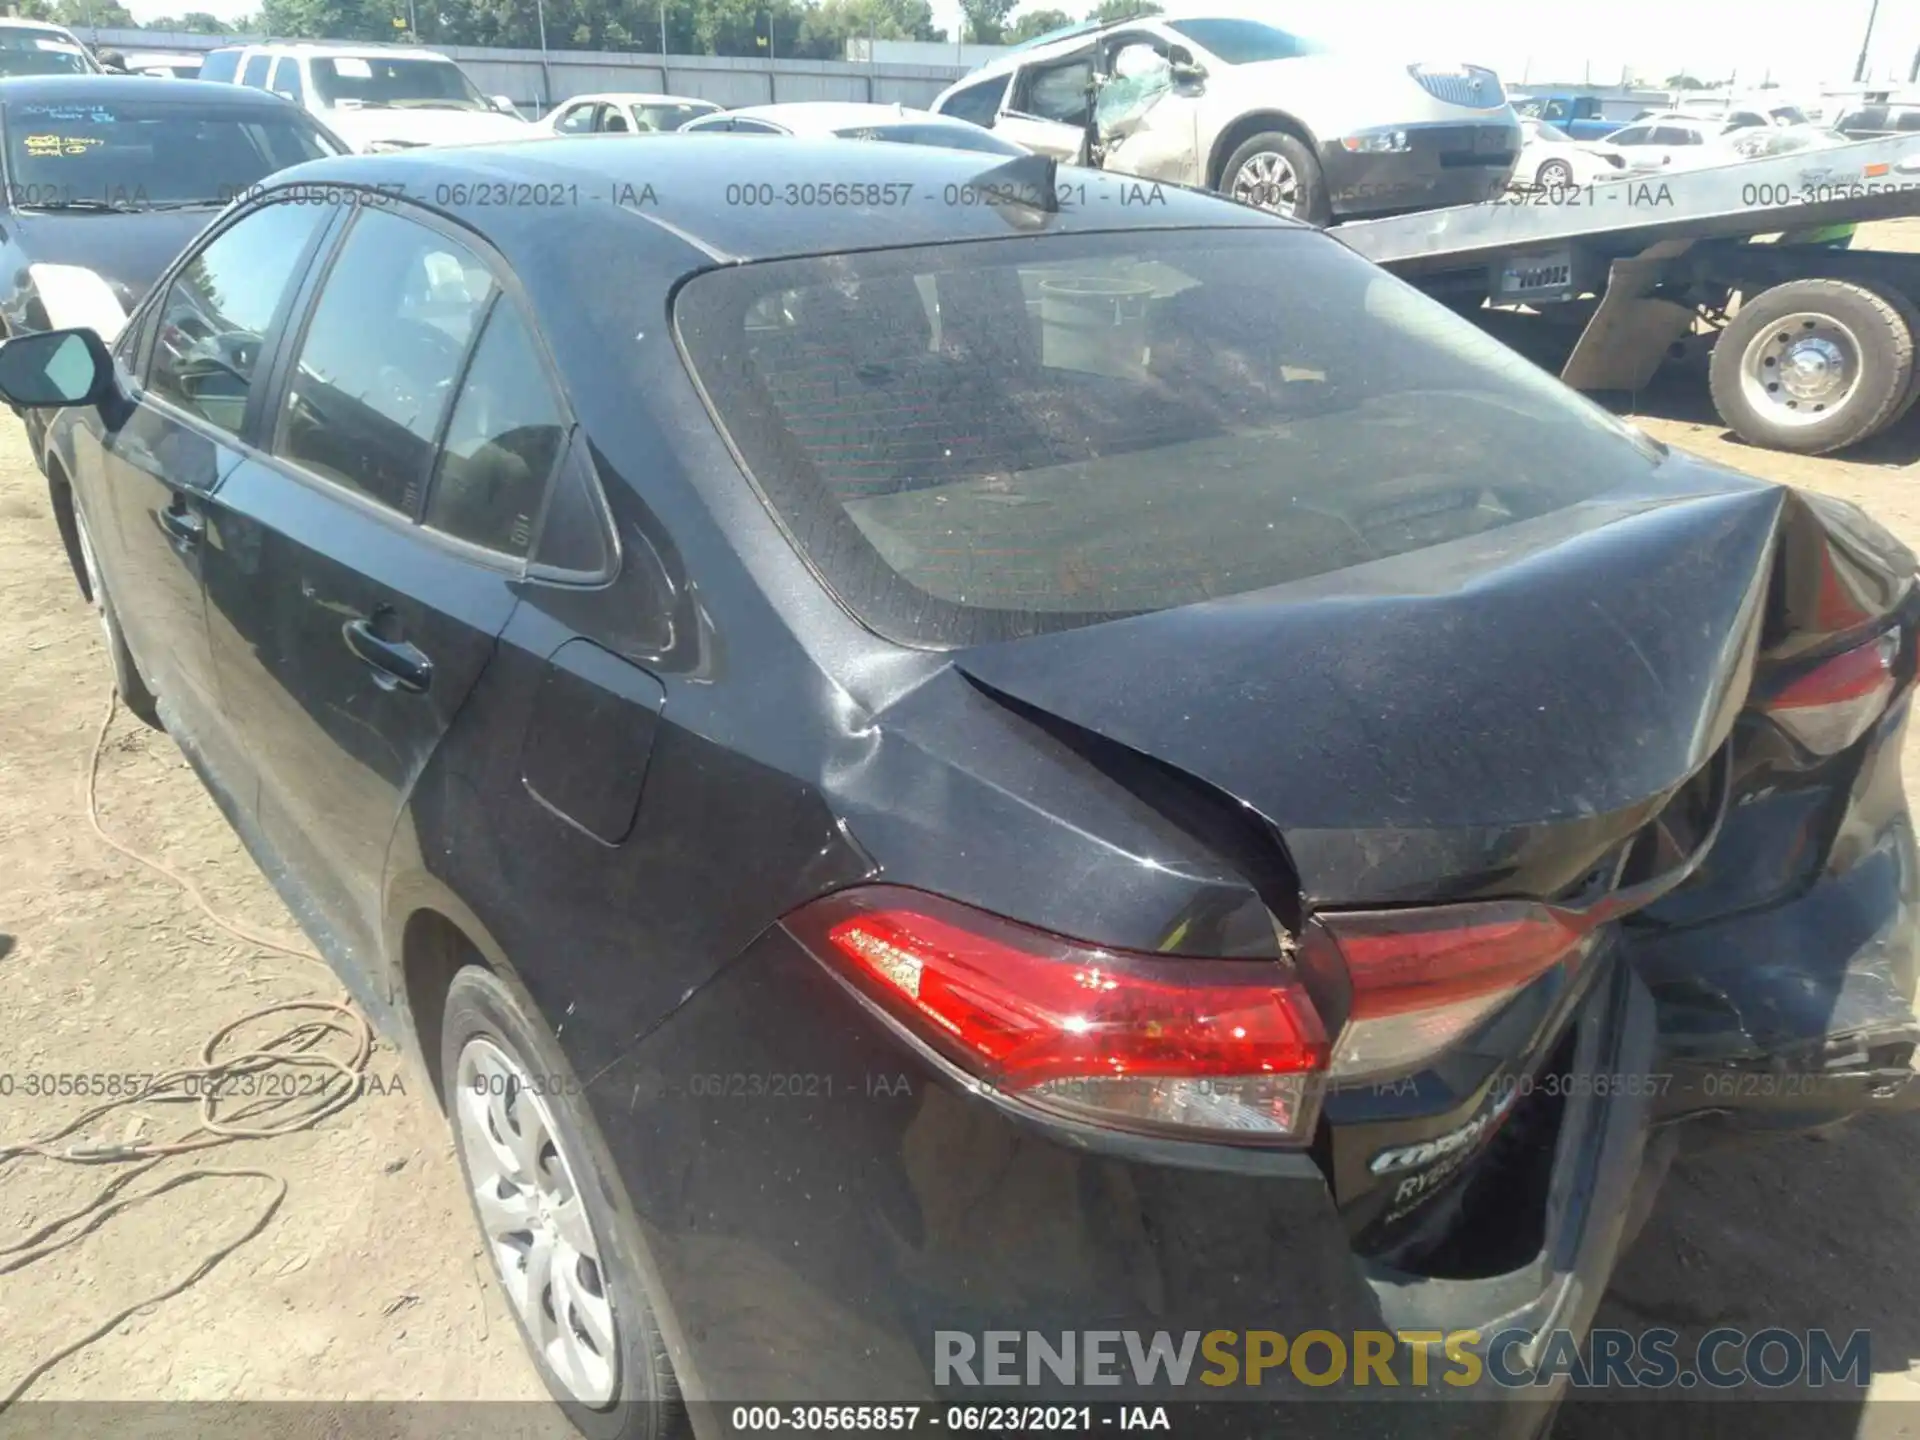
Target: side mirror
{"x": 1186, "y": 70}
{"x": 505, "y": 106}
{"x": 54, "y": 368}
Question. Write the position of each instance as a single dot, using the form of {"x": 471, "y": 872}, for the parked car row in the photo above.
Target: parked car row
{"x": 1057, "y": 696}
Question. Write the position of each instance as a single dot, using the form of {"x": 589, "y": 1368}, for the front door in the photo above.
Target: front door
{"x": 1049, "y": 107}
{"x": 157, "y": 471}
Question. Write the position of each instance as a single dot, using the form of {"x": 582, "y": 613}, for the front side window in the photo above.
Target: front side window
{"x": 576, "y": 121}
{"x": 217, "y": 311}
{"x": 978, "y": 104}
{"x": 148, "y": 154}
{"x": 502, "y": 443}
{"x": 975, "y": 442}
{"x": 376, "y": 82}
{"x": 381, "y": 356}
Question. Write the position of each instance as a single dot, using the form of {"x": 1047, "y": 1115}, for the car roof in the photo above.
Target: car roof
{"x": 362, "y": 52}
{"x": 637, "y": 97}
{"x": 83, "y": 88}
{"x": 936, "y": 197}
{"x": 1062, "y": 42}
{"x": 820, "y": 117}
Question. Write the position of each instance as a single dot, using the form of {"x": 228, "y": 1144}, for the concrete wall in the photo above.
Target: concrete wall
{"x": 536, "y": 87}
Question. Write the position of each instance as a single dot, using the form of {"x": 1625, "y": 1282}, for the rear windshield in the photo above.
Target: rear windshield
{"x": 38, "y": 52}
{"x": 982, "y": 441}
{"x": 132, "y": 155}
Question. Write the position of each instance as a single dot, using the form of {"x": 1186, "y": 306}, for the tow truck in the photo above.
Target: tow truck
{"x": 1812, "y": 345}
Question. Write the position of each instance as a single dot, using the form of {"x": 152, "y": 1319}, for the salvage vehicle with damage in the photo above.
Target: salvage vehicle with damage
{"x": 1300, "y": 811}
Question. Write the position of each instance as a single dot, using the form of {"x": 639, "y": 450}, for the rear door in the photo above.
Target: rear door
{"x": 371, "y": 550}
{"x": 157, "y": 472}
{"x": 1049, "y": 106}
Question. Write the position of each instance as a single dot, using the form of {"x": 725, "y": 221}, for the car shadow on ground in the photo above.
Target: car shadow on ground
{"x": 1679, "y": 393}
{"x": 1806, "y": 1233}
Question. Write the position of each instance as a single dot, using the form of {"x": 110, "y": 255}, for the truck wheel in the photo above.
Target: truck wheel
{"x": 1813, "y": 365}
{"x": 1278, "y": 173}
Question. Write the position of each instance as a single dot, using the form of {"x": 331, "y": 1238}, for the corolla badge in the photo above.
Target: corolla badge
{"x": 1461, "y": 1138}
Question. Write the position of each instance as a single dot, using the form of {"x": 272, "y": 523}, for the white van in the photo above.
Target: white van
{"x": 378, "y": 97}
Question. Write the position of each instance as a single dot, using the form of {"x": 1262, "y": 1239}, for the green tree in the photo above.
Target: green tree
{"x": 328, "y": 19}
{"x": 985, "y": 21}
{"x": 1684, "y": 81}
{"x": 1035, "y": 23}
{"x": 826, "y": 28}
{"x": 1110, "y": 12}
{"x": 108, "y": 14}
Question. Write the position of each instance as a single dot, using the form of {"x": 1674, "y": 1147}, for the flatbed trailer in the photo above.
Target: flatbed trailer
{"x": 1813, "y": 344}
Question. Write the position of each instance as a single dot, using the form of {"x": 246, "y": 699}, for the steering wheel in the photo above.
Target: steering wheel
{"x": 415, "y": 368}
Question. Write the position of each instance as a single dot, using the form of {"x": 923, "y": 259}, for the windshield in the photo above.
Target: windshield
{"x": 35, "y": 52}
{"x": 1552, "y": 134}
{"x": 378, "y": 82}
{"x": 957, "y": 136}
{"x": 1246, "y": 42}
{"x": 670, "y": 117}
{"x": 135, "y": 155}
{"x": 979, "y": 441}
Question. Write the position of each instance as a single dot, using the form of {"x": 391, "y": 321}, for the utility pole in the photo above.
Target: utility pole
{"x": 665, "y": 84}
{"x": 1866, "y": 43}
{"x": 546, "y": 75}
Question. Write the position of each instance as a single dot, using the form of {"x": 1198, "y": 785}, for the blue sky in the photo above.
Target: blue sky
{"x": 1799, "y": 42}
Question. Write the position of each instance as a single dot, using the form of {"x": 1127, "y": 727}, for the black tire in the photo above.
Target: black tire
{"x": 1909, "y": 312}
{"x": 1554, "y": 175}
{"x": 133, "y": 691}
{"x": 645, "y": 1404}
{"x": 1883, "y": 335}
{"x": 1311, "y": 202}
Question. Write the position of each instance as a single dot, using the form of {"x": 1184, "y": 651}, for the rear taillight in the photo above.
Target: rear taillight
{"x": 1225, "y": 1049}
{"x": 1423, "y": 978}
{"x": 1837, "y": 702}
{"x": 1136, "y": 1041}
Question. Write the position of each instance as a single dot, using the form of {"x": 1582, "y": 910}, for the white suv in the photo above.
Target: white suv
{"x": 382, "y": 98}
{"x": 1257, "y": 113}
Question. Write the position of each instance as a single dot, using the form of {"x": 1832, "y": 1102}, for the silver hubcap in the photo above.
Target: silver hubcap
{"x": 535, "y": 1222}
{"x": 1556, "y": 172}
{"x": 1268, "y": 182}
{"x": 1801, "y": 369}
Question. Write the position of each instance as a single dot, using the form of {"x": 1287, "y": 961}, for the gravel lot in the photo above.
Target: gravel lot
{"x": 368, "y": 1283}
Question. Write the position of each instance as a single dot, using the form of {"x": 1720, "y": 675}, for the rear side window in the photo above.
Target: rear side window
{"x": 218, "y": 309}
{"x": 220, "y": 65}
{"x": 502, "y": 443}
{"x": 1632, "y": 135}
{"x": 286, "y": 79}
{"x": 977, "y": 103}
{"x": 1060, "y": 91}
{"x": 256, "y": 72}
{"x": 577, "y": 121}
{"x": 381, "y": 358}
{"x": 981, "y": 441}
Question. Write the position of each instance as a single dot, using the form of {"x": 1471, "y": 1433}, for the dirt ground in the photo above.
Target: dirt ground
{"x": 369, "y": 1282}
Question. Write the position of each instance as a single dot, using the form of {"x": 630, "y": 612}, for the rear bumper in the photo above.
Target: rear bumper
{"x": 1444, "y": 164}
{"x": 818, "y": 1201}
{"x": 1799, "y": 1014}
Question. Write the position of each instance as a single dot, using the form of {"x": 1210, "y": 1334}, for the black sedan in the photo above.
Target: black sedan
{"x": 926, "y": 746}
{"x": 106, "y": 179}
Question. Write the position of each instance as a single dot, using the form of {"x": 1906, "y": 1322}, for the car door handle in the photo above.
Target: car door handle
{"x": 185, "y": 526}
{"x": 396, "y": 665}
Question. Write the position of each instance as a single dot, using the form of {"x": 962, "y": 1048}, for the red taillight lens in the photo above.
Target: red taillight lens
{"x": 1140, "y": 1041}
{"x": 1832, "y": 706}
{"x": 1423, "y": 978}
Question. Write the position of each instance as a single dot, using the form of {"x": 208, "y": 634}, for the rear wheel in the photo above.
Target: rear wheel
{"x": 539, "y": 1182}
{"x": 1814, "y": 365}
{"x": 1280, "y": 174}
{"x": 133, "y": 691}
